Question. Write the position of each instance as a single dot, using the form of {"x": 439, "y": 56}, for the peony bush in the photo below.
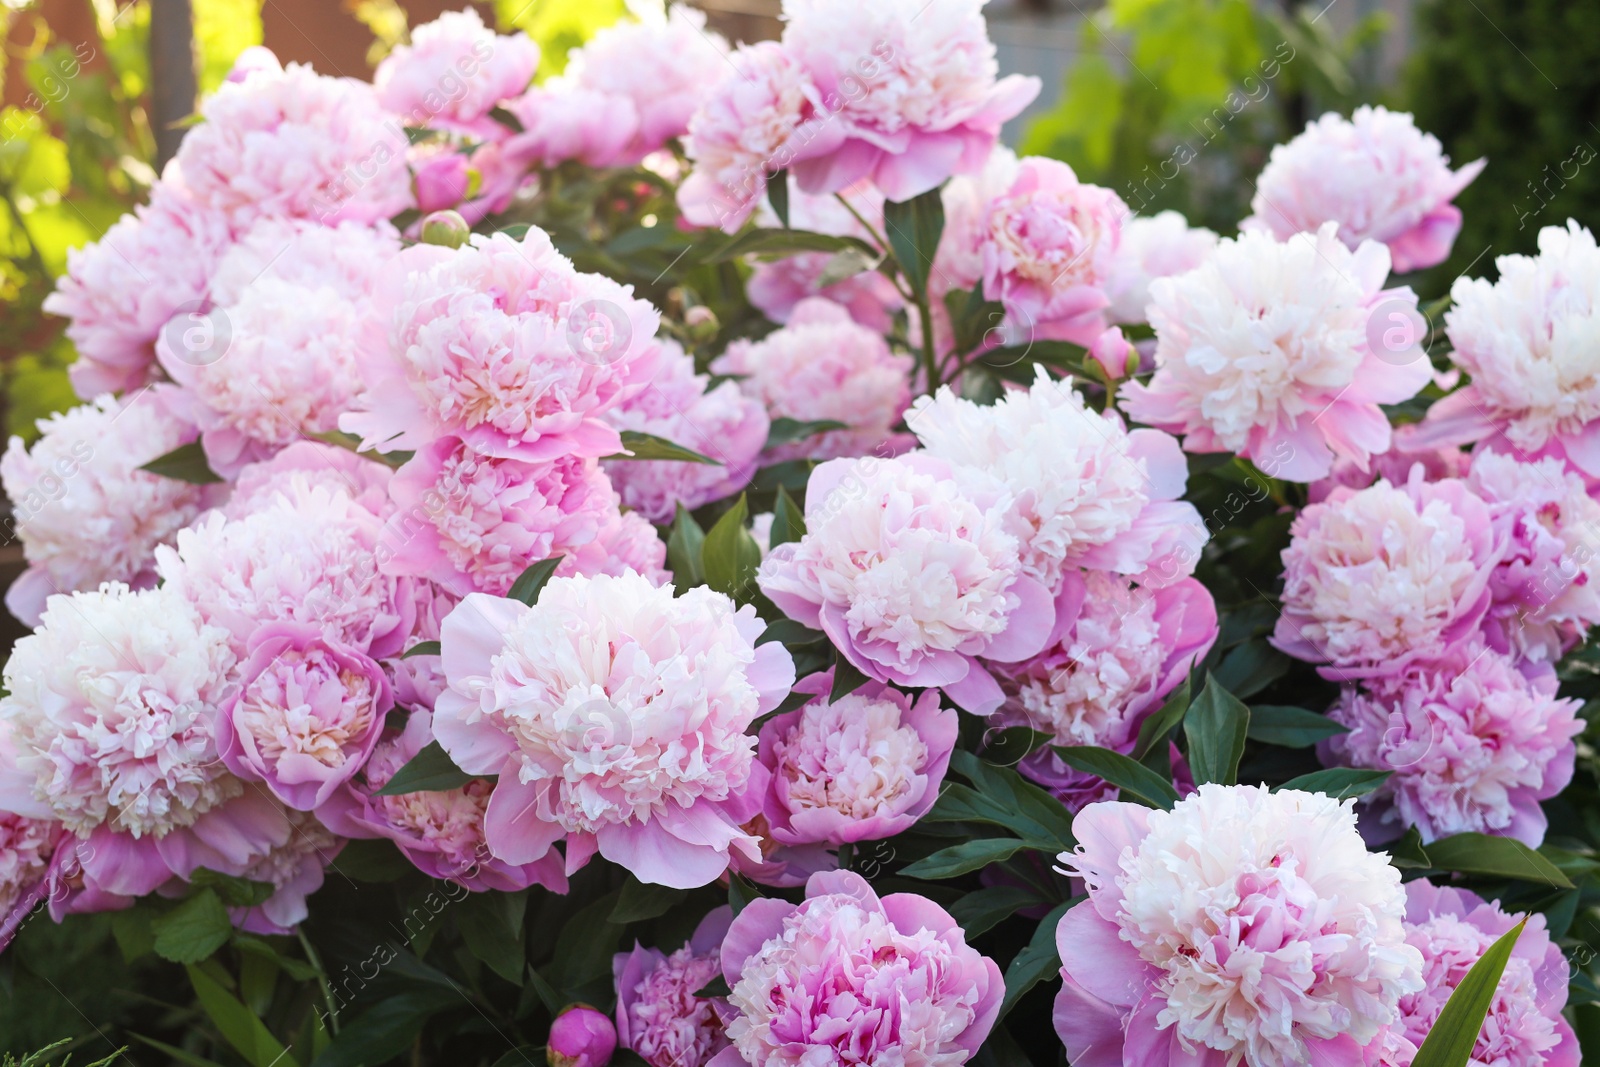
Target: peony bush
{"x": 710, "y": 559}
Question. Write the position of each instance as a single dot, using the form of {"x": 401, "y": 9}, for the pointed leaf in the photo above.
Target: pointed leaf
{"x": 642, "y": 446}
{"x": 644, "y": 900}
{"x": 1340, "y": 783}
{"x": 781, "y": 243}
{"x": 238, "y": 1024}
{"x": 1455, "y": 1032}
{"x": 531, "y": 581}
{"x": 913, "y": 228}
{"x": 1036, "y": 962}
{"x": 786, "y": 430}
{"x": 429, "y": 771}
{"x": 788, "y": 520}
{"x": 1291, "y": 727}
{"x": 1126, "y": 774}
{"x": 186, "y": 463}
{"x": 730, "y": 555}
{"x": 846, "y": 678}
{"x": 982, "y": 909}
{"x": 1216, "y": 726}
{"x": 423, "y": 648}
{"x": 778, "y": 196}
{"x": 193, "y": 930}
{"x": 1161, "y": 723}
{"x": 964, "y": 858}
{"x": 1504, "y": 857}
{"x": 685, "y": 549}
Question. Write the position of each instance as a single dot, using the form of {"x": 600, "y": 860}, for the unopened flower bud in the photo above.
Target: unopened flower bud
{"x": 446, "y": 228}
{"x": 701, "y": 322}
{"x": 581, "y": 1036}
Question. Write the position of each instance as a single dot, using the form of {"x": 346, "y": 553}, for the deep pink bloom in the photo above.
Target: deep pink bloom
{"x": 305, "y": 716}
{"x": 594, "y": 750}
{"x": 861, "y": 768}
{"x": 581, "y": 1036}
{"x": 1473, "y": 744}
{"x": 1393, "y": 466}
{"x": 1377, "y": 578}
{"x": 1376, "y": 175}
{"x": 658, "y": 1014}
{"x": 453, "y": 72}
{"x": 848, "y": 977}
{"x": 911, "y": 579}
{"x": 26, "y": 849}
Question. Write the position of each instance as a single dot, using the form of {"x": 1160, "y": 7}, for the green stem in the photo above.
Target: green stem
{"x": 930, "y": 361}
{"x": 879, "y": 239}
{"x": 322, "y": 980}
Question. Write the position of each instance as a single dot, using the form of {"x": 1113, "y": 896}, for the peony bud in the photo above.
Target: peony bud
{"x": 1112, "y": 351}
{"x": 701, "y": 323}
{"x": 442, "y": 182}
{"x": 581, "y": 1037}
{"x": 445, "y": 228}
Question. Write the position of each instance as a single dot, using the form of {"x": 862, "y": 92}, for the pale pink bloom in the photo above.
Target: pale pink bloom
{"x": 1274, "y": 351}
{"x": 825, "y": 366}
{"x": 910, "y": 578}
{"x": 417, "y": 680}
{"x": 83, "y": 510}
{"x": 26, "y": 848}
{"x": 503, "y": 344}
{"x": 846, "y": 976}
{"x": 967, "y": 198}
{"x": 453, "y": 73}
{"x": 310, "y": 556}
{"x": 1152, "y": 246}
{"x": 581, "y": 1036}
{"x": 438, "y": 830}
{"x": 1527, "y": 340}
{"x": 1377, "y": 578}
{"x": 640, "y": 753}
{"x": 663, "y": 67}
{"x": 861, "y": 768}
{"x": 1084, "y": 491}
{"x": 626, "y": 543}
{"x": 1376, "y": 175}
{"x": 339, "y": 470}
{"x": 295, "y": 870}
{"x": 912, "y": 85}
{"x": 757, "y": 121}
{"x": 277, "y": 366}
{"x": 118, "y": 292}
{"x": 777, "y": 286}
{"x": 1243, "y": 924}
{"x": 1546, "y": 586}
{"x": 305, "y": 716}
{"x": 1474, "y": 743}
{"x": 1049, "y": 245}
{"x": 1119, "y": 649}
{"x": 658, "y": 1014}
{"x": 562, "y": 122}
{"x": 721, "y": 423}
{"x": 347, "y": 258}
{"x": 1452, "y": 928}
{"x": 473, "y": 523}
{"x": 292, "y": 142}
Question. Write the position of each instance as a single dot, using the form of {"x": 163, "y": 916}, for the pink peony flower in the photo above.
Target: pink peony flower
{"x": 347, "y": 258}
{"x": 26, "y": 848}
{"x": 119, "y": 291}
{"x": 305, "y": 716}
{"x": 627, "y": 543}
{"x": 1275, "y": 351}
{"x": 418, "y": 679}
{"x": 1375, "y": 579}
{"x": 1546, "y": 587}
{"x": 1048, "y": 250}
{"x": 581, "y": 1037}
{"x": 640, "y": 753}
{"x": 721, "y": 423}
{"x": 847, "y": 976}
{"x": 290, "y": 142}
{"x": 295, "y": 870}
{"x": 453, "y": 73}
{"x": 1393, "y": 466}
{"x": 913, "y": 88}
{"x": 910, "y": 579}
{"x": 70, "y": 890}
{"x": 778, "y": 286}
{"x": 1376, "y": 175}
{"x": 1084, "y": 491}
{"x": 1242, "y": 924}
{"x": 311, "y": 556}
{"x": 313, "y": 464}
{"x": 83, "y": 510}
{"x": 1452, "y": 928}
{"x": 861, "y": 768}
{"x": 1151, "y": 247}
{"x": 825, "y": 366}
{"x": 958, "y": 264}
{"x": 562, "y": 121}
{"x": 658, "y": 1014}
{"x": 503, "y": 344}
{"x": 438, "y": 830}
{"x": 1525, "y": 340}
{"x": 1118, "y": 651}
{"x": 473, "y": 523}
{"x": 1474, "y": 744}
{"x": 755, "y": 122}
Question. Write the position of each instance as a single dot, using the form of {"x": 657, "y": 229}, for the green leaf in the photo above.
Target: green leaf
{"x": 844, "y": 265}
{"x": 491, "y": 926}
{"x": 789, "y": 632}
{"x": 964, "y": 858}
{"x": 1157, "y": 726}
{"x": 385, "y": 1030}
{"x": 423, "y": 648}
{"x": 544, "y": 991}
{"x": 778, "y": 196}
{"x": 980, "y": 910}
{"x": 1275, "y": 724}
{"x": 1126, "y": 774}
{"x": 847, "y": 678}
{"x": 506, "y": 119}
{"x": 741, "y": 891}
{"x": 1250, "y": 668}
{"x": 186, "y": 463}
{"x": 584, "y": 949}
{"x": 235, "y": 892}
{"x": 429, "y": 771}
{"x": 781, "y": 243}
{"x": 1504, "y": 857}
{"x": 913, "y": 228}
{"x": 1038, "y": 961}
{"x": 685, "y": 547}
{"x": 1002, "y": 797}
{"x": 372, "y": 861}
{"x": 717, "y": 987}
{"x": 644, "y": 900}
{"x": 193, "y": 930}
{"x": 1340, "y": 783}
{"x": 1455, "y": 1032}
{"x": 531, "y": 581}
{"x": 788, "y": 520}
{"x": 785, "y": 430}
{"x": 730, "y": 555}
{"x": 299, "y": 970}
{"x": 238, "y": 1025}
{"x": 189, "y": 1059}
{"x": 1216, "y": 726}
{"x": 643, "y": 446}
